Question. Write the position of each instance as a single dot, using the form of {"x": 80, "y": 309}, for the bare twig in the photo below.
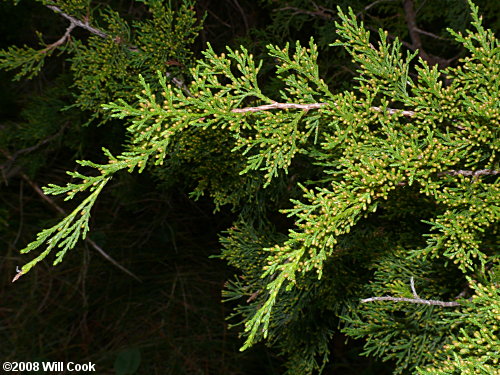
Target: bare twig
{"x": 307, "y": 107}
{"x": 412, "y": 300}
{"x": 110, "y": 259}
{"x": 243, "y": 15}
{"x": 417, "y": 299}
{"x": 21, "y": 214}
{"x": 61, "y": 40}
{"x": 277, "y": 105}
{"x": 481, "y": 172}
{"x": 77, "y": 22}
{"x": 416, "y": 42}
{"x": 393, "y": 111}
{"x": 303, "y": 11}
{"x": 411, "y": 21}
{"x": 412, "y": 285}
{"x": 319, "y": 11}
{"x": 12, "y": 158}
{"x": 432, "y": 35}
{"x": 253, "y": 296}
{"x": 366, "y": 8}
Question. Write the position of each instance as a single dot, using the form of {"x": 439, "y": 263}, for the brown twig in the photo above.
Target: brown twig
{"x": 411, "y": 22}
{"x": 253, "y": 296}
{"x": 429, "y": 34}
{"x": 62, "y": 40}
{"x": 416, "y": 299}
{"x": 416, "y": 43}
{"x": 393, "y": 111}
{"x": 243, "y": 15}
{"x": 12, "y": 158}
{"x": 319, "y": 11}
{"x": 366, "y": 8}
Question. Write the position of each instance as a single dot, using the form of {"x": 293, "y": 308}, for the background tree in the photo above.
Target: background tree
{"x": 364, "y": 169}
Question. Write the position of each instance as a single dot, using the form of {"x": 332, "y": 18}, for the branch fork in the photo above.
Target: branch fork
{"x": 416, "y": 299}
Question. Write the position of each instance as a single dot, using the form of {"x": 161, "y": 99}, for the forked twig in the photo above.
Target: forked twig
{"x": 416, "y": 299}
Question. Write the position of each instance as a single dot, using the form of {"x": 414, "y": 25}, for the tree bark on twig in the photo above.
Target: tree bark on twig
{"x": 416, "y": 299}
{"x": 416, "y": 42}
{"x": 307, "y": 107}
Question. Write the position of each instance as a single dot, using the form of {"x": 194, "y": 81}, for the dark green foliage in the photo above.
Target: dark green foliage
{"x": 105, "y": 66}
{"x": 368, "y": 207}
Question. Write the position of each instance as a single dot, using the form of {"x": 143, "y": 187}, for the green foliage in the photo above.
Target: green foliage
{"x": 474, "y": 342}
{"x": 29, "y": 60}
{"x": 406, "y": 333}
{"x": 106, "y": 65}
{"x": 395, "y": 179}
{"x": 67, "y": 232}
{"x": 127, "y": 361}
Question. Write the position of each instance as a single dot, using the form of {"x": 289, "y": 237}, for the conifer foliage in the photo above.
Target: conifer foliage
{"x": 391, "y": 188}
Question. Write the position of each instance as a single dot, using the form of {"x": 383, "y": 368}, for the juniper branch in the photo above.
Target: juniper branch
{"x": 59, "y": 209}
{"x": 94, "y": 245}
{"x": 85, "y": 25}
{"x": 474, "y": 174}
